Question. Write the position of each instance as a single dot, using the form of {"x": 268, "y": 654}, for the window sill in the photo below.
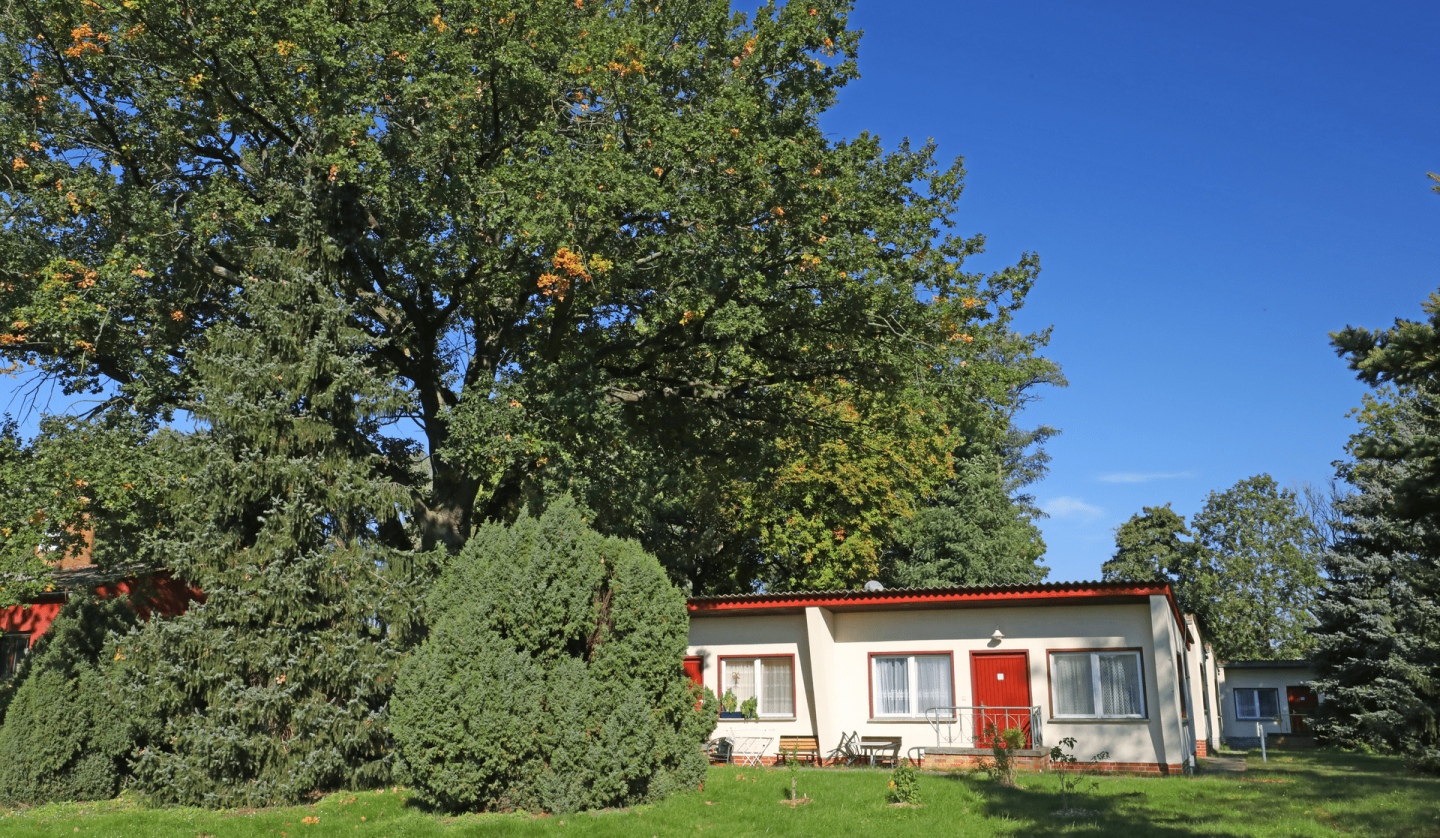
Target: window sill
{"x": 759, "y": 720}
{"x": 1066, "y": 720}
{"x": 902, "y": 720}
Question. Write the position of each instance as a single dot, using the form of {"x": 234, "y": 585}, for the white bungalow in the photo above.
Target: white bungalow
{"x": 1270, "y": 696}
{"x": 1113, "y": 665}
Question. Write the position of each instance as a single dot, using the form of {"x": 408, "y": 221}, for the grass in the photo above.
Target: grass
{"x": 1306, "y": 793}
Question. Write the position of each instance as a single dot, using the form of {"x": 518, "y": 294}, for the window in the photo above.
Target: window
{"x": 1256, "y": 705}
{"x": 1096, "y": 685}
{"x": 1183, "y": 676}
{"x": 13, "y": 648}
{"x": 908, "y": 685}
{"x": 772, "y": 680}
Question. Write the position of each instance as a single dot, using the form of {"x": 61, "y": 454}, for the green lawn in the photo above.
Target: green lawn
{"x": 1296, "y": 794}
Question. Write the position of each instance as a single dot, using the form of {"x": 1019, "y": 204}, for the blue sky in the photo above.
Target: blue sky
{"x": 1211, "y": 187}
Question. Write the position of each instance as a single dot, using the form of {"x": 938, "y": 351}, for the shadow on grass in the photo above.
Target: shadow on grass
{"x": 1321, "y": 793}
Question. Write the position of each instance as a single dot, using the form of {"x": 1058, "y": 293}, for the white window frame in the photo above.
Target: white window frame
{"x": 1257, "y": 690}
{"x": 1099, "y": 703}
{"x": 912, "y": 683}
{"x": 912, "y": 687}
{"x": 760, "y": 681}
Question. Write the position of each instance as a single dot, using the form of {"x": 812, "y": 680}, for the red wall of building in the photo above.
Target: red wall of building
{"x": 158, "y": 593}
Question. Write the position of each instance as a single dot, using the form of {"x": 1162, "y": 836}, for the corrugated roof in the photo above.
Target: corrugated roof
{"x": 738, "y": 604}
{"x": 1077, "y": 586}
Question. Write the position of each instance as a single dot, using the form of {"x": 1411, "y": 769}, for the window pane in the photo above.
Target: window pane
{"x": 740, "y": 679}
{"x": 779, "y": 686}
{"x": 12, "y": 649}
{"x": 1120, "y": 685}
{"x": 1269, "y": 701}
{"x": 1245, "y": 704}
{"x": 934, "y": 673}
{"x": 1074, "y": 685}
{"x": 892, "y": 687}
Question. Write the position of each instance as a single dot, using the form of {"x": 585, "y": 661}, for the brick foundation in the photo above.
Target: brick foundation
{"x": 1028, "y": 761}
{"x": 1201, "y": 749}
{"x": 1035, "y": 760}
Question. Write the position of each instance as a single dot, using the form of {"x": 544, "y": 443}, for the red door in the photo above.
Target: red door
{"x": 1302, "y": 703}
{"x": 695, "y": 668}
{"x": 1000, "y": 680}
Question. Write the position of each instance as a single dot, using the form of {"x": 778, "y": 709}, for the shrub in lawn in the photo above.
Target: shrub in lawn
{"x": 1003, "y": 745}
{"x": 64, "y": 737}
{"x": 905, "y": 784}
{"x": 552, "y": 677}
{"x": 1071, "y": 772}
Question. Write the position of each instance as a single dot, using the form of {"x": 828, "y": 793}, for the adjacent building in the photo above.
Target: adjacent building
{"x": 1115, "y": 666}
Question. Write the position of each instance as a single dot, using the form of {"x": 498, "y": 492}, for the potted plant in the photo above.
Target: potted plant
{"x": 729, "y": 706}
{"x": 748, "y": 707}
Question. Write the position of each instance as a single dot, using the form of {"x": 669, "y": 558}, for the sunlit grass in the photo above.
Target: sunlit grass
{"x": 1310, "y": 793}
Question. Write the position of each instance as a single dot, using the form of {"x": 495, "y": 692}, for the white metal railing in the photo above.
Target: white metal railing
{"x": 964, "y": 726}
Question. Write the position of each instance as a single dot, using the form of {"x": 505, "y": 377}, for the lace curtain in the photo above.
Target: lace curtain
{"x": 777, "y": 686}
{"x": 934, "y": 674}
{"x": 892, "y": 687}
{"x": 1074, "y": 685}
{"x": 1120, "y": 685}
{"x": 740, "y": 679}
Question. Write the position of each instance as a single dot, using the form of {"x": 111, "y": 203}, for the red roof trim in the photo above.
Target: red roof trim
{"x": 1027, "y": 594}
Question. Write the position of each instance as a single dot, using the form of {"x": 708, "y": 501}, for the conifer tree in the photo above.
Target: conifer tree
{"x": 275, "y": 688}
{"x": 973, "y": 534}
{"x": 552, "y": 677}
{"x": 1375, "y": 642}
{"x": 1150, "y": 546}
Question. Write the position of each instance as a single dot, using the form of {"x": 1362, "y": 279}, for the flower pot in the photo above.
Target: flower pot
{"x": 735, "y": 715}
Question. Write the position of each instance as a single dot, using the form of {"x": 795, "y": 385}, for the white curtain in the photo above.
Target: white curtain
{"x": 1074, "y": 685}
{"x": 778, "y": 687}
{"x": 1120, "y": 685}
{"x": 740, "y": 679}
{"x": 934, "y": 671}
{"x": 892, "y": 687}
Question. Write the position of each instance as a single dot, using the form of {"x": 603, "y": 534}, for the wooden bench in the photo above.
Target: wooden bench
{"x": 881, "y": 749}
{"x": 803, "y": 747}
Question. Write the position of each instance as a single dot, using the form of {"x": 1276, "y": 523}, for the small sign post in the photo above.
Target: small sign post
{"x": 1260, "y": 731}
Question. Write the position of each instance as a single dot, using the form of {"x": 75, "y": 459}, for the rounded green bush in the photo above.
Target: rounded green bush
{"x": 552, "y": 677}
{"x": 64, "y": 737}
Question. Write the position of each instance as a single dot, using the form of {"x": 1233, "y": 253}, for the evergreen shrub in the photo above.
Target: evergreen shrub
{"x": 552, "y": 677}
{"x": 64, "y": 738}
{"x": 274, "y": 689}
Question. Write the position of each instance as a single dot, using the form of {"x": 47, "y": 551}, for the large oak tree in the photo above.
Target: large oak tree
{"x": 605, "y": 247}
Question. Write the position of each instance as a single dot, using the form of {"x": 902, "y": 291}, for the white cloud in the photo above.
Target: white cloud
{"x": 1142, "y": 477}
{"x": 1065, "y": 507}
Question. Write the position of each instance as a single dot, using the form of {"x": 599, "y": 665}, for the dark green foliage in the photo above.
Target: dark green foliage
{"x": 551, "y": 679}
{"x": 973, "y": 534}
{"x": 275, "y": 688}
{"x": 1376, "y": 649}
{"x": 1256, "y": 573}
{"x": 1250, "y": 575}
{"x": 607, "y": 246}
{"x": 1150, "y": 546}
{"x": 64, "y": 736}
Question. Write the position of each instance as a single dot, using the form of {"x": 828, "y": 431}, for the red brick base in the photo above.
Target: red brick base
{"x": 1031, "y": 764}
{"x": 1201, "y": 750}
{"x": 962, "y": 762}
